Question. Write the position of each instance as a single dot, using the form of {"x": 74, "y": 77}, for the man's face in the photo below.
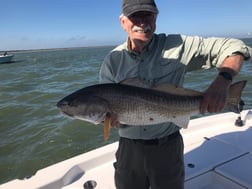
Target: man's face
{"x": 140, "y": 26}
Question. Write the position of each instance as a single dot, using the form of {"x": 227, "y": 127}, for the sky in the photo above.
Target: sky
{"x": 40, "y": 24}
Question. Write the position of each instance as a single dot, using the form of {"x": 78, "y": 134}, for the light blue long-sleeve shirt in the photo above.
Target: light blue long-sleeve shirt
{"x": 166, "y": 60}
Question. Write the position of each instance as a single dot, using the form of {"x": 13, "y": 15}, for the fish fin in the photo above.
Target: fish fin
{"x": 134, "y": 82}
{"x": 106, "y": 127}
{"x": 172, "y": 89}
{"x": 182, "y": 121}
{"x": 234, "y": 102}
{"x": 164, "y": 87}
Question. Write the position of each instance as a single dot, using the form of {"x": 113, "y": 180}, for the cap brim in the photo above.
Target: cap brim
{"x": 133, "y": 9}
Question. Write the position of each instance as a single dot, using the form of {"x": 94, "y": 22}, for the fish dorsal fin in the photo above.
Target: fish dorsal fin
{"x": 172, "y": 89}
{"x": 134, "y": 82}
{"x": 165, "y": 87}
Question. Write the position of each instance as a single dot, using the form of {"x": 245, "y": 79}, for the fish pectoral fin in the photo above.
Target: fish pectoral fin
{"x": 107, "y": 126}
{"x": 182, "y": 121}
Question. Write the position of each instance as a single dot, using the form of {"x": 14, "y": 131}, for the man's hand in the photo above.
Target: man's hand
{"x": 214, "y": 98}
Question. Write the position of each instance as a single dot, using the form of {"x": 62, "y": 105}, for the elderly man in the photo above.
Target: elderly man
{"x": 152, "y": 157}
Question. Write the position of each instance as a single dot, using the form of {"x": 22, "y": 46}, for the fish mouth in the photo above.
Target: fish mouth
{"x": 61, "y": 104}
{"x": 67, "y": 114}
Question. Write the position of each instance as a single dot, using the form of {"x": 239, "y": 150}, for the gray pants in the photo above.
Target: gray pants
{"x": 155, "y": 164}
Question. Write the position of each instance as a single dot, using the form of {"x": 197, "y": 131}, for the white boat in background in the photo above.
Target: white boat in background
{"x": 6, "y": 58}
{"x": 218, "y": 155}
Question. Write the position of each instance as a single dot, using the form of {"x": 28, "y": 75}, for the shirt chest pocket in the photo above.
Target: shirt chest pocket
{"x": 170, "y": 71}
{"x": 165, "y": 67}
{"x": 170, "y": 65}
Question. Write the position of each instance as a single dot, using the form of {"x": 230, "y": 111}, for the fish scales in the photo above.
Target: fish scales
{"x": 140, "y": 106}
{"x": 137, "y": 105}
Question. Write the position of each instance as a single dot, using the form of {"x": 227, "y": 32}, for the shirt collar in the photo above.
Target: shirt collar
{"x": 146, "y": 49}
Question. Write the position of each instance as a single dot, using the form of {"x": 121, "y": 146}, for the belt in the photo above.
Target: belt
{"x": 156, "y": 141}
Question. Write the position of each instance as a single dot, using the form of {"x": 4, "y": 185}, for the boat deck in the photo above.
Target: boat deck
{"x": 217, "y": 155}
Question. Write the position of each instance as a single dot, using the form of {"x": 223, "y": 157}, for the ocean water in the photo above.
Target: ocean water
{"x": 33, "y": 134}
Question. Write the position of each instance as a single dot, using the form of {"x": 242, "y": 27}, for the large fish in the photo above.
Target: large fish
{"x": 139, "y": 106}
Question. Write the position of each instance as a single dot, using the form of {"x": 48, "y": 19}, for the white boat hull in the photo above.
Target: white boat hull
{"x": 217, "y": 156}
{"x": 5, "y": 58}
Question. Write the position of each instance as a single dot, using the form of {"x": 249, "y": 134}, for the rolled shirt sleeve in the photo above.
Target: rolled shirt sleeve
{"x": 211, "y": 52}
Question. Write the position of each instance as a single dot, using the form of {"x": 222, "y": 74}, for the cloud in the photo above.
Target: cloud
{"x": 76, "y": 38}
{"x": 76, "y": 41}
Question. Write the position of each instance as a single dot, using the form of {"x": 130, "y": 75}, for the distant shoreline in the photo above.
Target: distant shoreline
{"x": 53, "y": 49}
{"x": 67, "y": 48}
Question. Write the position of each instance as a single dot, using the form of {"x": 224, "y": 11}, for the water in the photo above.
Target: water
{"x": 33, "y": 134}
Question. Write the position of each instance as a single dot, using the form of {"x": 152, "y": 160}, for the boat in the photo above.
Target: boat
{"x": 218, "y": 155}
{"x": 6, "y": 58}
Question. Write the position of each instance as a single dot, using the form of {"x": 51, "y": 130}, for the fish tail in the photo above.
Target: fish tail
{"x": 234, "y": 101}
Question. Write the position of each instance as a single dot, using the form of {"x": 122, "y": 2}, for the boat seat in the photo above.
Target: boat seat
{"x": 206, "y": 155}
{"x": 212, "y": 180}
{"x": 239, "y": 139}
{"x": 238, "y": 170}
